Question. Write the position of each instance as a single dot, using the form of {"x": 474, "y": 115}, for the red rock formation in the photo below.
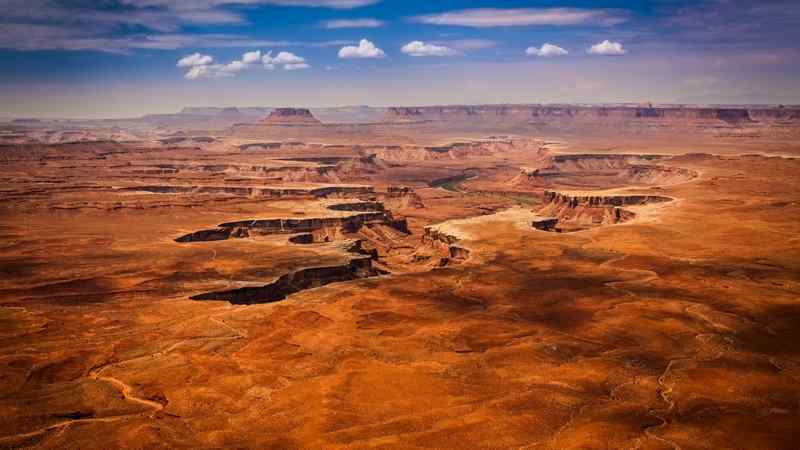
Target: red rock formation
{"x": 296, "y": 281}
{"x": 568, "y": 212}
{"x": 322, "y": 229}
{"x": 402, "y": 114}
{"x": 399, "y": 198}
{"x": 445, "y": 244}
{"x": 627, "y": 115}
{"x": 601, "y": 171}
{"x": 291, "y": 116}
{"x": 573, "y": 201}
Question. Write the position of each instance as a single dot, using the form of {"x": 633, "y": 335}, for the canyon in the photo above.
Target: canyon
{"x": 481, "y": 276}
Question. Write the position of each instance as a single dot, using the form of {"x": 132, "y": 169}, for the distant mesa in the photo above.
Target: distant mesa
{"x": 291, "y": 116}
{"x": 709, "y": 116}
{"x": 232, "y": 111}
{"x": 403, "y": 114}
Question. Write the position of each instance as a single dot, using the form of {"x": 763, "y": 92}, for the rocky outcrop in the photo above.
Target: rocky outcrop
{"x": 216, "y": 234}
{"x": 451, "y": 183}
{"x": 290, "y": 226}
{"x": 657, "y": 175}
{"x": 445, "y": 244}
{"x": 400, "y": 198}
{"x": 403, "y": 114}
{"x": 574, "y": 212}
{"x": 686, "y": 116}
{"x": 342, "y": 190}
{"x": 598, "y": 171}
{"x": 359, "y": 206}
{"x": 454, "y": 151}
{"x": 573, "y": 201}
{"x": 270, "y": 192}
{"x": 261, "y": 146}
{"x": 294, "y": 282}
{"x": 320, "y": 229}
{"x": 353, "y": 168}
{"x": 317, "y": 169}
{"x": 291, "y": 116}
{"x": 545, "y": 224}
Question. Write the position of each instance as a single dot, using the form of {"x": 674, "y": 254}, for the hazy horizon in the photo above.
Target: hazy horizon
{"x": 343, "y": 106}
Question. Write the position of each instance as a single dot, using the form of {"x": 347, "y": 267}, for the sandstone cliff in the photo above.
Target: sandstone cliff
{"x": 291, "y": 116}
{"x": 321, "y": 229}
{"x": 710, "y": 117}
{"x": 564, "y": 212}
{"x": 601, "y": 171}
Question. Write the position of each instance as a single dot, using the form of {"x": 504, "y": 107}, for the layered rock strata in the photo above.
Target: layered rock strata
{"x": 271, "y": 192}
{"x": 676, "y": 115}
{"x": 445, "y": 244}
{"x": 574, "y": 212}
{"x": 291, "y": 116}
{"x": 296, "y": 281}
{"x": 601, "y": 171}
{"x": 320, "y": 229}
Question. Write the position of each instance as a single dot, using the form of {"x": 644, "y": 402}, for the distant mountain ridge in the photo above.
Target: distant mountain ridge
{"x": 338, "y": 114}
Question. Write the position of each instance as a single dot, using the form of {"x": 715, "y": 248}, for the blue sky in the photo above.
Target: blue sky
{"x": 118, "y": 58}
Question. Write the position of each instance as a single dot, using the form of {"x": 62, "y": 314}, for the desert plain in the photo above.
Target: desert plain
{"x": 488, "y": 277}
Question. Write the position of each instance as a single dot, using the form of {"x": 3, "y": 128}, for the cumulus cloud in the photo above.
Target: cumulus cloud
{"x": 288, "y": 58}
{"x": 352, "y": 23}
{"x": 201, "y": 66}
{"x": 495, "y": 17}
{"x": 365, "y": 49}
{"x": 546, "y": 50}
{"x": 607, "y": 48}
{"x": 195, "y": 59}
{"x": 235, "y": 66}
{"x": 209, "y": 71}
{"x": 251, "y": 57}
{"x": 419, "y": 48}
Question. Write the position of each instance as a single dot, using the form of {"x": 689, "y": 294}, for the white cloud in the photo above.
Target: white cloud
{"x": 251, "y": 57}
{"x": 607, "y": 48}
{"x": 365, "y": 49}
{"x": 419, "y": 48}
{"x": 196, "y": 72}
{"x": 195, "y": 59}
{"x": 288, "y": 58}
{"x": 267, "y": 60}
{"x": 211, "y": 71}
{"x": 235, "y": 66}
{"x": 495, "y": 17}
{"x": 298, "y": 66}
{"x": 546, "y": 50}
{"x": 352, "y": 23}
{"x": 200, "y": 66}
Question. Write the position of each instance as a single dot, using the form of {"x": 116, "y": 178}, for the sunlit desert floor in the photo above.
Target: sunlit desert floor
{"x": 672, "y": 324}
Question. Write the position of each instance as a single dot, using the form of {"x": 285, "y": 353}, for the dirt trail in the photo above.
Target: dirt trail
{"x": 125, "y": 389}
